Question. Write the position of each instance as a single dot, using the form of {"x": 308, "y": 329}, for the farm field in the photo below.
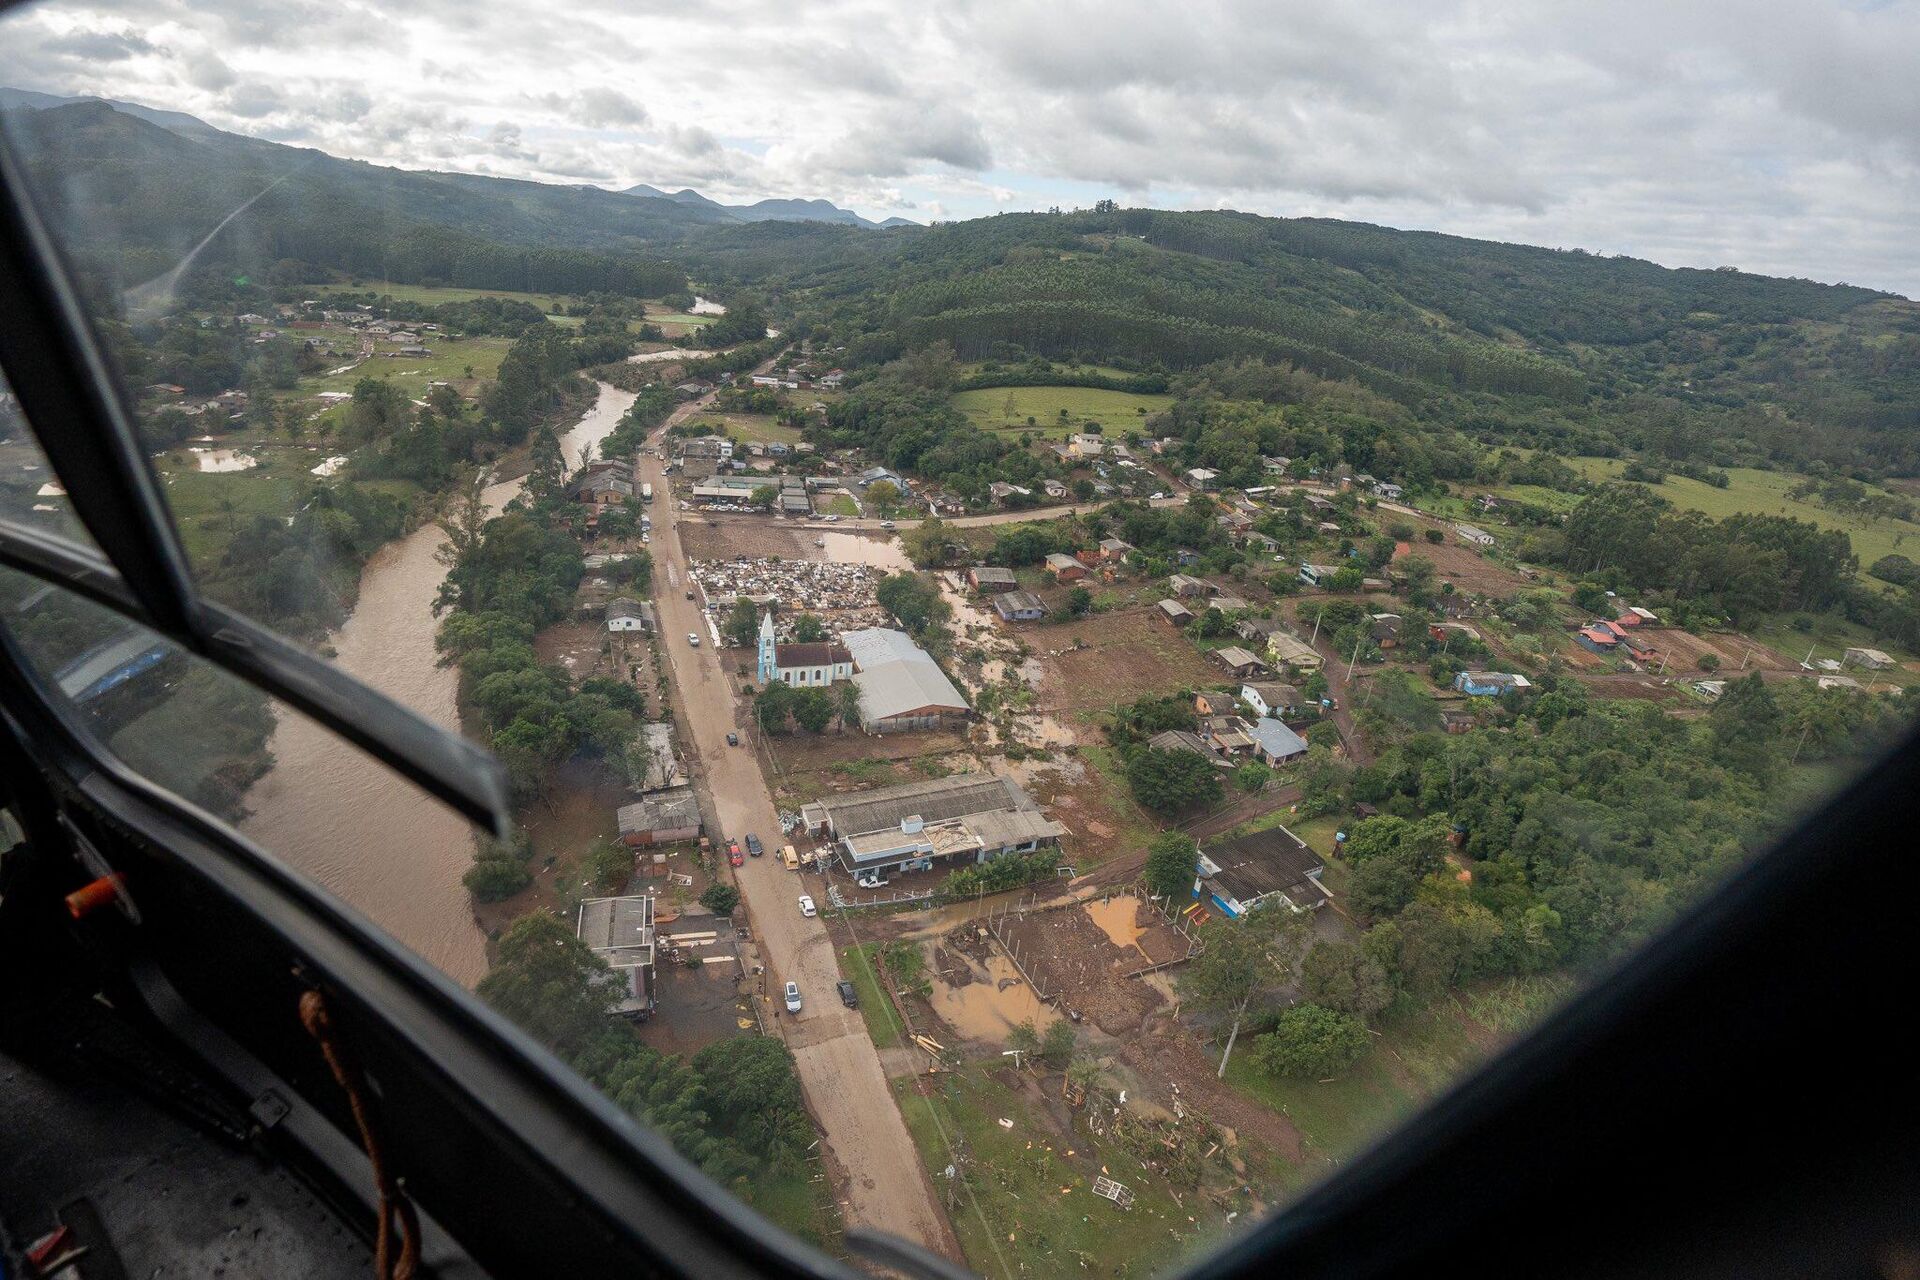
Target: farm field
{"x": 1765, "y": 493}
{"x": 1118, "y": 411}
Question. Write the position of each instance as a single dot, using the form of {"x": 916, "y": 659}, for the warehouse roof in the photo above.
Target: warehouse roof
{"x": 936, "y": 800}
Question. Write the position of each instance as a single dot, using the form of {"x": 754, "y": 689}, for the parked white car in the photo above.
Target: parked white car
{"x": 806, "y": 906}
{"x": 693, "y": 638}
{"x": 793, "y": 997}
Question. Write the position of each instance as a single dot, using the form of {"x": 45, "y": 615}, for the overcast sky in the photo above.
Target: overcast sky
{"x": 1780, "y": 136}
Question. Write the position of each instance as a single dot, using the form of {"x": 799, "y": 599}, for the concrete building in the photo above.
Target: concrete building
{"x": 1469, "y": 533}
{"x": 1019, "y": 606}
{"x": 1268, "y": 867}
{"x": 621, "y": 932}
{"x": 1269, "y": 699}
{"x": 624, "y": 614}
{"x": 968, "y": 817}
{"x": 1175, "y": 612}
{"x": 1871, "y": 659}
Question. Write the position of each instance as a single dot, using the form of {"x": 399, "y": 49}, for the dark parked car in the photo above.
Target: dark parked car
{"x": 848, "y": 996}
{"x": 754, "y": 846}
{"x": 733, "y": 739}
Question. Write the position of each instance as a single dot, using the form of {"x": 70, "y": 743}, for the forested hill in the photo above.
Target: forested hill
{"x": 1569, "y": 348}
{"x": 132, "y": 198}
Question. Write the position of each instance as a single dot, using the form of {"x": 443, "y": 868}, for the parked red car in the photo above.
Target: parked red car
{"x": 733, "y": 854}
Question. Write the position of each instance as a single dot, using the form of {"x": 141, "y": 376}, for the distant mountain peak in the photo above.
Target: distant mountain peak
{"x": 775, "y": 209}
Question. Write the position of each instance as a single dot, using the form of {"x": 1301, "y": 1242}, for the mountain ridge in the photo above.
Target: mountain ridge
{"x": 774, "y": 209}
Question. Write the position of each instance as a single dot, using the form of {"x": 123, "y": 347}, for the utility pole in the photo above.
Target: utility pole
{"x": 1362, "y": 639}
{"x": 1316, "y": 625}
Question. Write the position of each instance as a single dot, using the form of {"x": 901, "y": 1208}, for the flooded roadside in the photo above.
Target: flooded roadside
{"x": 382, "y": 845}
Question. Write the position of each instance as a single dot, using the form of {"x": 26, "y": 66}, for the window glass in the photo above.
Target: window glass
{"x": 31, "y": 496}
{"x": 290, "y": 785}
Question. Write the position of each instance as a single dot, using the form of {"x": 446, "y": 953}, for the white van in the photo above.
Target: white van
{"x": 793, "y": 997}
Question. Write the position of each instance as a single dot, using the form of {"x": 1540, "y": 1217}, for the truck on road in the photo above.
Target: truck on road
{"x": 646, "y": 492}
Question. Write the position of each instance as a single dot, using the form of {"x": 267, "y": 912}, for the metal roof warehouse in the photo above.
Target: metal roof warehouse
{"x": 976, "y": 815}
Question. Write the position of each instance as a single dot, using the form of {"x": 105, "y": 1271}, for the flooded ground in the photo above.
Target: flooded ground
{"x": 385, "y": 847}
{"x": 1118, "y": 918}
{"x": 985, "y": 1000}
{"x": 658, "y": 357}
{"x": 224, "y": 460}
{"x": 858, "y": 548}
{"x": 704, "y": 307}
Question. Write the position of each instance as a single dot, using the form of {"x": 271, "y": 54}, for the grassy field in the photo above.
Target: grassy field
{"x": 838, "y": 505}
{"x": 875, "y": 1006}
{"x": 448, "y": 363}
{"x": 748, "y": 427}
{"x": 663, "y": 316}
{"x": 1765, "y": 493}
{"x": 1026, "y": 1206}
{"x": 1118, "y": 411}
{"x": 1415, "y": 1057}
{"x": 1830, "y": 638}
{"x": 799, "y": 1204}
{"x": 275, "y": 487}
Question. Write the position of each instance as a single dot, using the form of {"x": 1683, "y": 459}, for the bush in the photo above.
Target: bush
{"x": 610, "y": 866}
{"x": 1008, "y": 871}
{"x": 720, "y": 898}
{"x": 492, "y": 879}
{"x": 1435, "y": 536}
{"x": 1311, "y": 1042}
{"x": 1057, "y": 1044}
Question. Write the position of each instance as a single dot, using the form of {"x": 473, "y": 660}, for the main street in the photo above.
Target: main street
{"x": 838, "y": 1065}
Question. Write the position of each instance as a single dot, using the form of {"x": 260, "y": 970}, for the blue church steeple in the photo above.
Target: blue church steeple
{"x": 769, "y": 666}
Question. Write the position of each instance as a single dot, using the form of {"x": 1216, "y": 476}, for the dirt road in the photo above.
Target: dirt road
{"x": 839, "y": 1067}
{"x": 1005, "y": 517}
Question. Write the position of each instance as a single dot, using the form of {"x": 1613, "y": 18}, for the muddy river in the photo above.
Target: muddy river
{"x": 380, "y": 843}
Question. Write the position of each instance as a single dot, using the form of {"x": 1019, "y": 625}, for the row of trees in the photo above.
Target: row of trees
{"x": 735, "y": 1108}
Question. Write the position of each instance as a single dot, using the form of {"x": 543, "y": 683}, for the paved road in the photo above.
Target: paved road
{"x": 839, "y": 1067}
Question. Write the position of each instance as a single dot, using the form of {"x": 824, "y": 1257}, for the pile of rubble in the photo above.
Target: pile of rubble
{"x": 812, "y": 585}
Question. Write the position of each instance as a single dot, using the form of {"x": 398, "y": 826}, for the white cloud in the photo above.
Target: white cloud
{"x": 1778, "y": 135}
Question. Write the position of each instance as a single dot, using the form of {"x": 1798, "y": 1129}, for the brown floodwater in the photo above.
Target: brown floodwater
{"x": 1116, "y": 917}
{"x": 378, "y": 842}
{"x": 993, "y": 1004}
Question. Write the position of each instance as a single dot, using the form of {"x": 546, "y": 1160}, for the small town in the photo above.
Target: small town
{"x": 1029, "y": 737}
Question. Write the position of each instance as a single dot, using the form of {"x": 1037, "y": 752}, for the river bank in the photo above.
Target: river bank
{"x": 379, "y": 843}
